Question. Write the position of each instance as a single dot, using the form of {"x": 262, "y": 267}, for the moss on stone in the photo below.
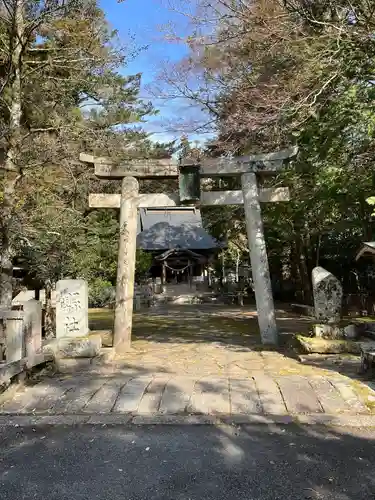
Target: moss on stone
{"x": 365, "y": 394}
{"x": 327, "y": 346}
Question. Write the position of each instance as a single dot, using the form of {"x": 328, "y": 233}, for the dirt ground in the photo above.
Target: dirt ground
{"x": 205, "y": 339}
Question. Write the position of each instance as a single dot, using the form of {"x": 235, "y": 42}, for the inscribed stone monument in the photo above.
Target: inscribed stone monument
{"x": 327, "y": 292}
{"x": 71, "y": 308}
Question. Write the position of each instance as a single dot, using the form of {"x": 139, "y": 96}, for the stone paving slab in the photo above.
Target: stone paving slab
{"x": 131, "y": 394}
{"x": 244, "y": 396}
{"x": 329, "y": 396}
{"x": 298, "y": 394}
{"x": 349, "y": 395}
{"x": 162, "y": 394}
{"x": 270, "y": 396}
{"x": 210, "y": 396}
{"x": 105, "y": 398}
{"x": 176, "y": 396}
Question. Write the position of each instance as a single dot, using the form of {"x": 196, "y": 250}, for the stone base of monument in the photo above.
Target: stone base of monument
{"x": 328, "y": 331}
{"x": 75, "y": 352}
{"x": 337, "y": 331}
{"x": 106, "y": 336}
{"x": 318, "y": 345}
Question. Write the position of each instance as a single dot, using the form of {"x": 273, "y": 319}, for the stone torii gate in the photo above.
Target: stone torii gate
{"x": 249, "y": 168}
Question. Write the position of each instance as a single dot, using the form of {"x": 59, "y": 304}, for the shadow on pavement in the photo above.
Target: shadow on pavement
{"x": 187, "y": 463}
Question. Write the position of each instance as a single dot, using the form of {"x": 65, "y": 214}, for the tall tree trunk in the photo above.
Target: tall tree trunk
{"x": 238, "y": 258}
{"x": 302, "y": 267}
{"x": 50, "y": 316}
{"x": 12, "y": 172}
{"x": 304, "y": 276}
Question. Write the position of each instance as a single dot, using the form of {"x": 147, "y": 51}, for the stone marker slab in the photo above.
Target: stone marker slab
{"x": 298, "y": 395}
{"x": 71, "y": 308}
{"x": 327, "y": 292}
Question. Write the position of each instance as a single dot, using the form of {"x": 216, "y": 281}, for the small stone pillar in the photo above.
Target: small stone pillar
{"x": 137, "y": 301}
{"x": 33, "y": 327}
{"x": 14, "y": 335}
{"x": 327, "y": 291}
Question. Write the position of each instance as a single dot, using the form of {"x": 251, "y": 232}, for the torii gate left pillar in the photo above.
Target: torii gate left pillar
{"x": 126, "y": 265}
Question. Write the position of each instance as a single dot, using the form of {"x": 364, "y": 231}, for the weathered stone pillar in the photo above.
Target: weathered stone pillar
{"x": 163, "y": 277}
{"x": 15, "y": 338}
{"x": 33, "y": 328}
{"x": 126, "y": 265}
{"x": 259, "y": 260}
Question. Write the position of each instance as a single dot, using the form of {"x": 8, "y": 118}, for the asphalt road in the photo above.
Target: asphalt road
{"x": 186, "y": 463}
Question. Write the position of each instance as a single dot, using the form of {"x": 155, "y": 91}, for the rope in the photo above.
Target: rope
{"x": 180, "y": 270}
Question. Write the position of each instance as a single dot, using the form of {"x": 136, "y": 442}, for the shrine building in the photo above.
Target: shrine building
{"x": 180, "y": 246}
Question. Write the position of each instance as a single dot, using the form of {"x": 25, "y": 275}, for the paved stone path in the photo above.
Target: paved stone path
{"x": 198, "y": 361}
{"x": 261, "y": 394}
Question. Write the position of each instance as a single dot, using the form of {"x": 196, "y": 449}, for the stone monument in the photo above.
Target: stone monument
{"x": 71, "y": 308}
{"x": 72, "y": 331}
{"x": 327, "y": 291}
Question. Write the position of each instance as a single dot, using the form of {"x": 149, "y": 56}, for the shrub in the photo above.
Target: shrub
{"x": 101, "y": 293}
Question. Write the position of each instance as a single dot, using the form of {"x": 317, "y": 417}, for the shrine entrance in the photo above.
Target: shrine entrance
{"x": 181, "y": 248}
{"x": 251, "y": 170}
{"x": 180, "y": 265}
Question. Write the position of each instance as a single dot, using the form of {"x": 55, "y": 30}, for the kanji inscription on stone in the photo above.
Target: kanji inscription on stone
{"x": 71, "y": 308}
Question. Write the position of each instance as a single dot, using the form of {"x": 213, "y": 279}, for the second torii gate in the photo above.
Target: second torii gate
{"x": 189, "y": 173}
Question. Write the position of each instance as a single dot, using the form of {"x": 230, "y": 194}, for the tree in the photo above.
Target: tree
{"x": 60, "y": 93}
{"x": 281, "y": 72}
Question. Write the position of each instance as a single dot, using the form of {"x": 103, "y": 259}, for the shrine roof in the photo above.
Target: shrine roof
{"x": 368, "y": 248}
{"x": 177, "y": 227}
{"x": 178, "y": 252}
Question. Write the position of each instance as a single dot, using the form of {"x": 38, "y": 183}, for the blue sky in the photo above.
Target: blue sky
{"x": 142, "y": 21}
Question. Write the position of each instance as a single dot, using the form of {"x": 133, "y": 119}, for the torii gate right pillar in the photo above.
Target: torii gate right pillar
{"x": 259, "y": 259}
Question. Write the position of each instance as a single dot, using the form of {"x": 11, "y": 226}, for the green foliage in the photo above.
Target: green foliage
{"x": 142, "y": 264}
{"x": 101, "y": 293}
{"x": 74, "y": 98}
{"x": 295, "y": 72}
{"x": 371, "y": 201}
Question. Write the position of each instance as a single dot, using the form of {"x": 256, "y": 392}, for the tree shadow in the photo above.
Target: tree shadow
{"x": 133, "y": 461}
{"x": 233, "y": 327}
{"x": 263, "y": 462}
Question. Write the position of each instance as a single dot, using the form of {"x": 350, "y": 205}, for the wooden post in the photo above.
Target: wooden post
{"x": 259, "y": 260}
{"x": 126, "y": 265}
